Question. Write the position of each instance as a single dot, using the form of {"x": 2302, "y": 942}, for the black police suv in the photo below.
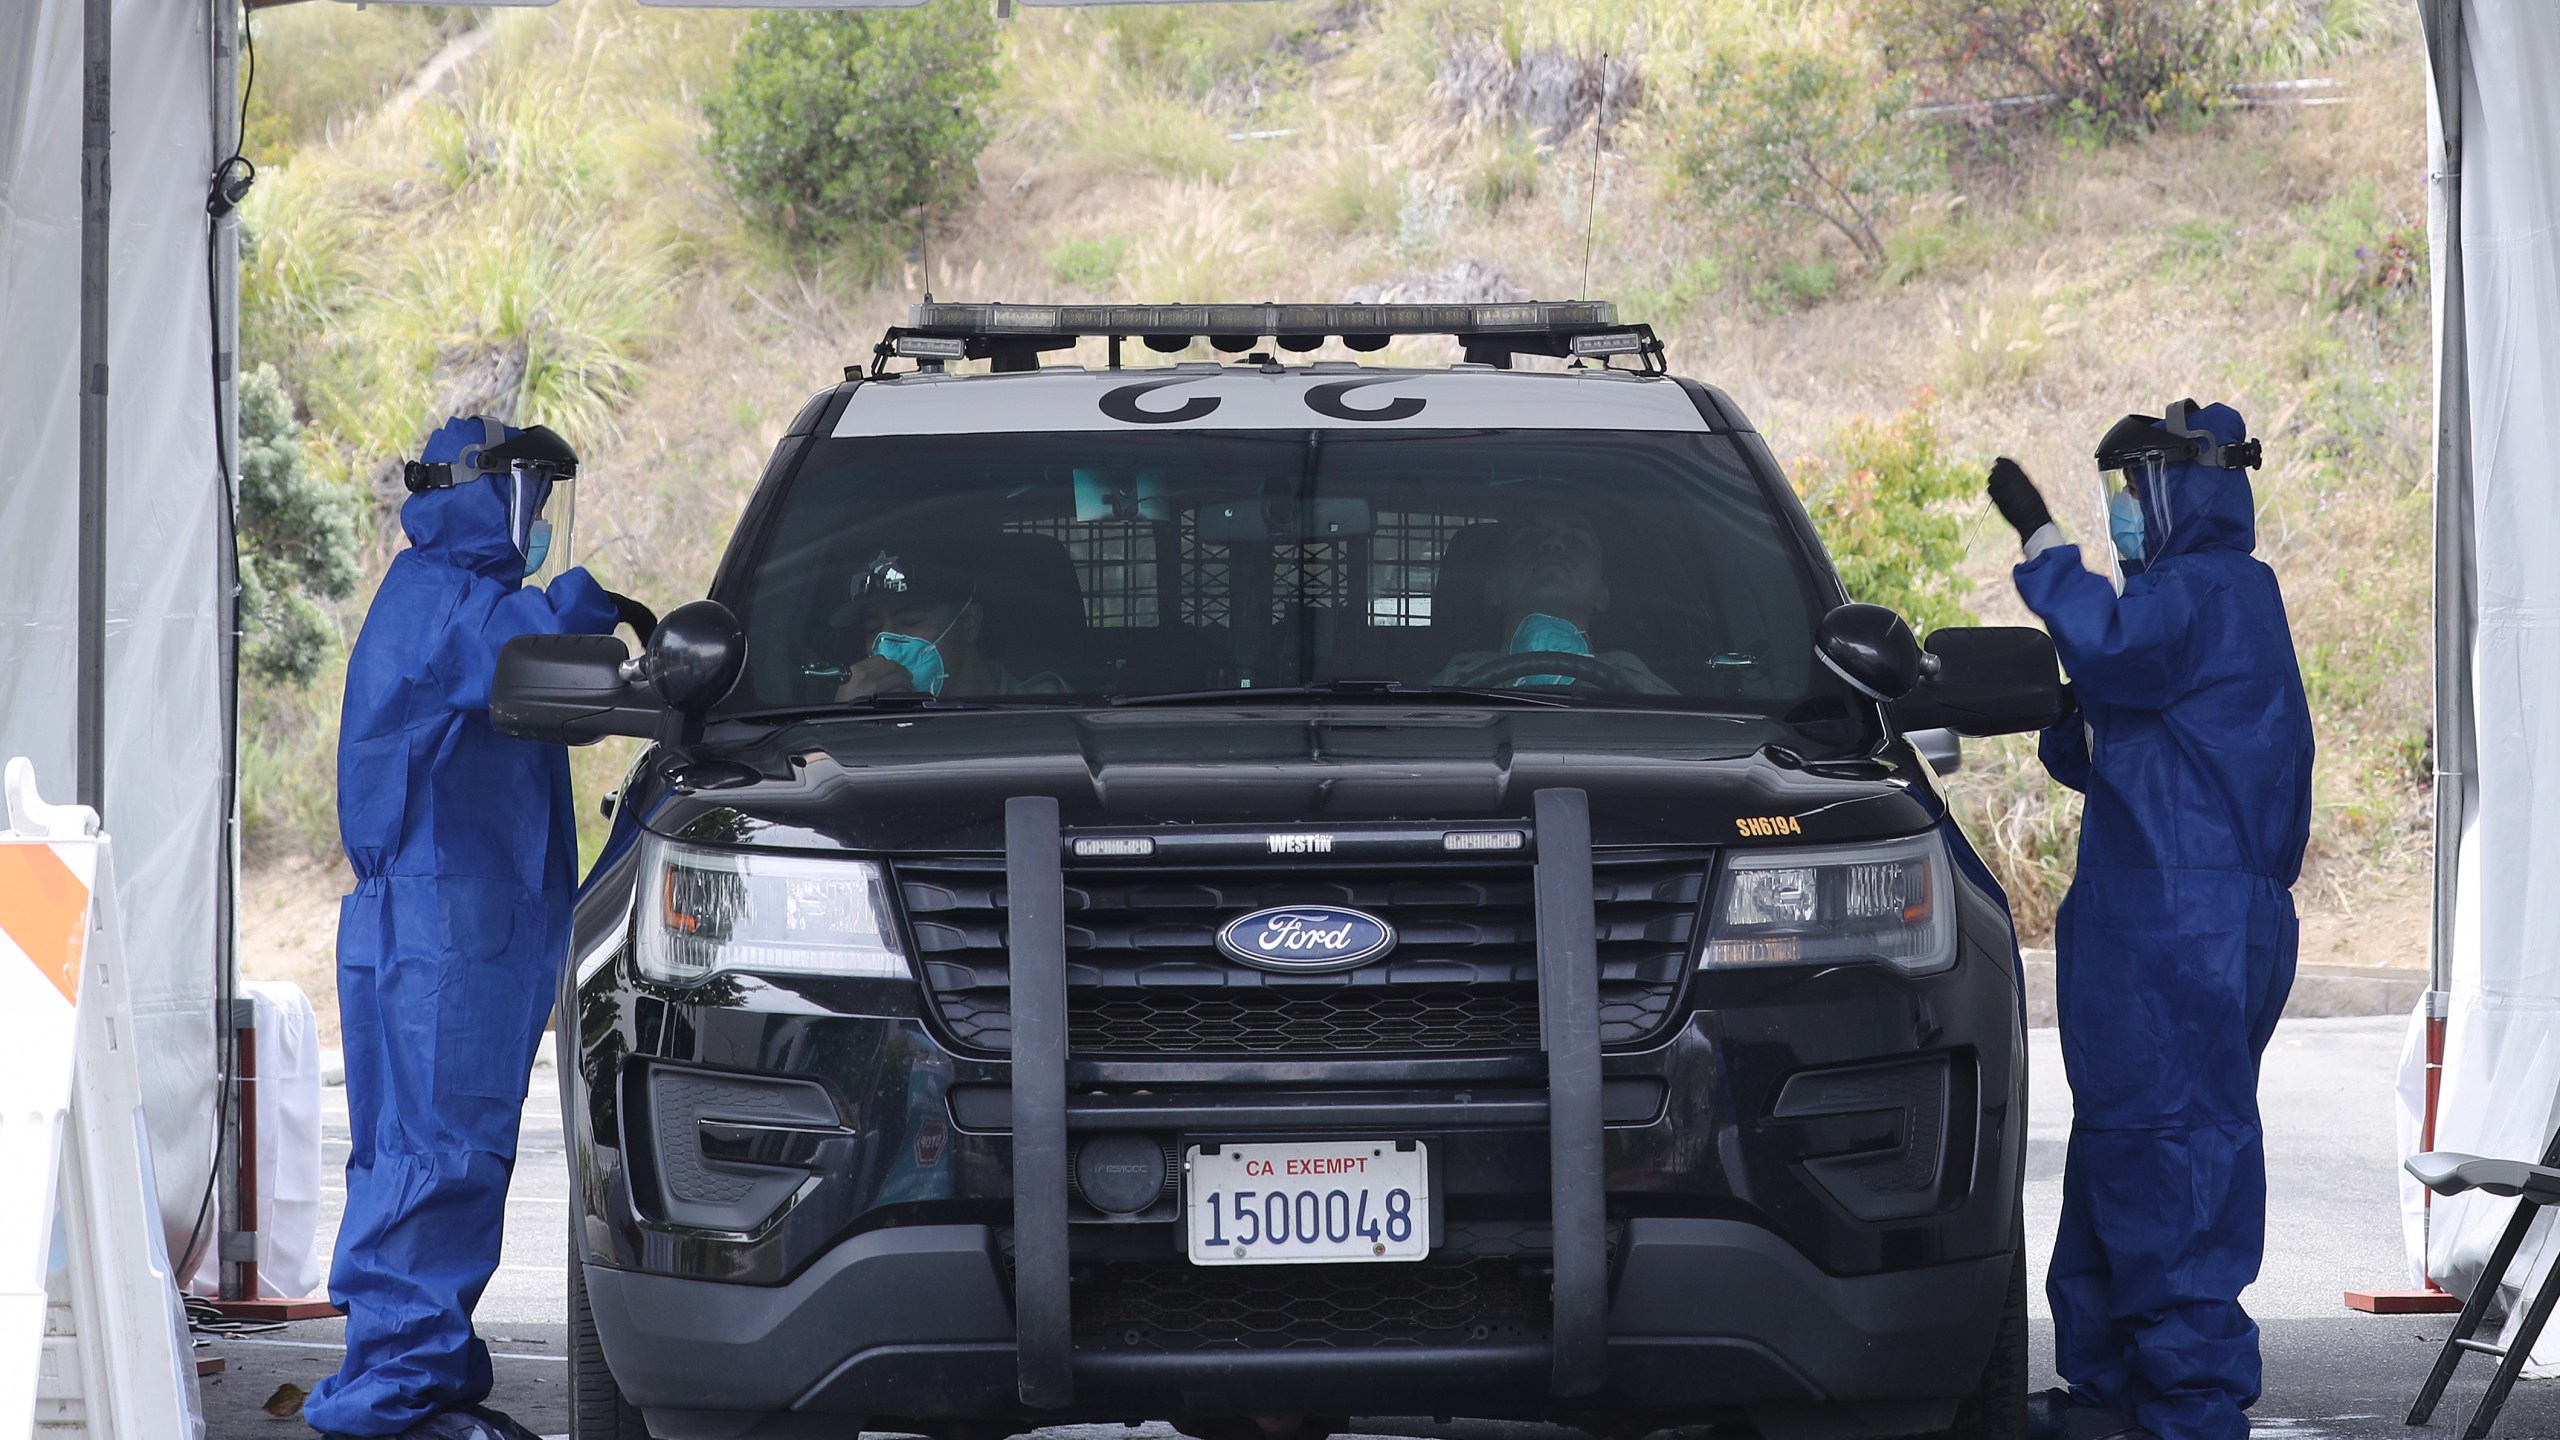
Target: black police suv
{"x": 1258, "y": 893}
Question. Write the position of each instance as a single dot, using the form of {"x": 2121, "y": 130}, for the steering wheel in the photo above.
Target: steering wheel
{"x": 1581, "y": 669}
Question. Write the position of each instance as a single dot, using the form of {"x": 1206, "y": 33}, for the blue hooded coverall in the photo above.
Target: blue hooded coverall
{"x": 2176, "y": 946}
{"x": 465, "y": 852}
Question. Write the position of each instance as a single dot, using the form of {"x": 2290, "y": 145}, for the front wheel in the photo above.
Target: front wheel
{"x": 1997, "y": 1408}
{"x": 598, "y": 1410}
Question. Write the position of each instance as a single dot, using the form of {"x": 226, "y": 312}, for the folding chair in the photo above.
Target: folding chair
{"x": 2535, "y": 1186}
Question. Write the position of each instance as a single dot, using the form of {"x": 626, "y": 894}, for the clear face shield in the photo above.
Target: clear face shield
{"x": 2134, "y": 463}
{"x": 549, "y": 539}
{"x": 2137, "y": 509}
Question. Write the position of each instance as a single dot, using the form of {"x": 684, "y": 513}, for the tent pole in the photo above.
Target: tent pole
{"x": 238, "y": 1180}
{"x": 97, "y": 113}
{"x": 2456, "y": 736}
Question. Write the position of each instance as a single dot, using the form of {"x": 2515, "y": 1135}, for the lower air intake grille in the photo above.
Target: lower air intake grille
{"x": 1271, "y": 1022}
{"x": 1175, "y": 1306}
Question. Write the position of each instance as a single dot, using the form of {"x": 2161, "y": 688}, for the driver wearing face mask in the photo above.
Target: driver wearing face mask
{"x": 1549, "y": 586}
{"x": 919, "y": 614}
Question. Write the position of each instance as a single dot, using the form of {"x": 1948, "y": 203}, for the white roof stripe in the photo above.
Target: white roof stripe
{"x": 1247, "y": 398}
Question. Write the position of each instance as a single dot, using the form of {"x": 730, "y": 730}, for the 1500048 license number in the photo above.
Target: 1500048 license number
{"x": 1281, "y": 1204}
{"x": 1336, "y": 1217}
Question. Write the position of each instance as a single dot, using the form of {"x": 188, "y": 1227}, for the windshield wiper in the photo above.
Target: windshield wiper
{"x": 899, "y": 702}
{"x": 1339, "y": 689}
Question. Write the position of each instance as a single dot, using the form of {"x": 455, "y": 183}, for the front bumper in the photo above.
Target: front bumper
{"x": 1805, "y": 1194}
{"x": 914, "y": 1322}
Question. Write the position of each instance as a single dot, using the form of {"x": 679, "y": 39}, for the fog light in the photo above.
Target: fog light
{"x": 1120, "y": 1174}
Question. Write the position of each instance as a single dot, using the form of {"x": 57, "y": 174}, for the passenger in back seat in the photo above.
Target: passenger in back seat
{"x": 1549, "y": 585}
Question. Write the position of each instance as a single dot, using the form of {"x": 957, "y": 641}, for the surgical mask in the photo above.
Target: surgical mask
{"x": 2124, "y": 523}
{"x": 920, "y": 658}
{"x": 1551, "y": 634}
{"x": 537, "y": 544}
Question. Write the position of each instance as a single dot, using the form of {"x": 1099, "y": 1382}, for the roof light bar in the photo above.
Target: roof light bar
{"x": 1014, "y": 337}
{"x": 1547, "y": 316}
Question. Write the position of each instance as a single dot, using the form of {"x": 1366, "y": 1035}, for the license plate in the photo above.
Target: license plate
{"x": 1306, "y": 1204}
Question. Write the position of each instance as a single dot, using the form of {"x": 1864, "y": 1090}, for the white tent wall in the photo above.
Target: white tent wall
{"x": 2501, "y": 1080}
{"x": 165, "y": 795}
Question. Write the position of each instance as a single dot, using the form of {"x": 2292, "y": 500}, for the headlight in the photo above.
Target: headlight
{"x": 703, "y": 911}
{"x": 1893, "y": 903}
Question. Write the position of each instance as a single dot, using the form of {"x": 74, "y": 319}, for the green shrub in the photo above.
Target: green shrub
{"x": 1675, "y": 294}
{"x": 289, "y": 770}
{"x": 297, "y": 539}
{"x": 841, "y": 121}
{"x": 1891, "y": 508}
{"x": 1805, "y": 281}
{"x": 1089, "y": 264}
{"x": 2110, "y": 67}
{"x": 1799, "y": 134}
{"x": 1509, "y": 174}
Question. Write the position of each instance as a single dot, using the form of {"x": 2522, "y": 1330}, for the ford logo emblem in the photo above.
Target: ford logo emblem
{"x": 1306, "y": 939}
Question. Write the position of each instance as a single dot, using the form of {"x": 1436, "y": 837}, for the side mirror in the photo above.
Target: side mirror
{"x": 569, "y": 690}
{"x": 694, "y": 657}
{"x": 1870, "y": 647}
{"x": 1990, "y": 680}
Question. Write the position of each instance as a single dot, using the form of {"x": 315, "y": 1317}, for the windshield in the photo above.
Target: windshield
{"x": 1561, "y": 567}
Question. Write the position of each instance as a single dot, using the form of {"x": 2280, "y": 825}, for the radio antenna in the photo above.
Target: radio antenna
{"x": 1591, "y": 205}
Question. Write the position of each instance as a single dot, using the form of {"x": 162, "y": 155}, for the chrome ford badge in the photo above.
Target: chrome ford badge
{"x": 1303, "y": 939}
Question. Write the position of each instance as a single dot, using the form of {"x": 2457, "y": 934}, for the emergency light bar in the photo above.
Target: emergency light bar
{"x": 1013, "y": 336}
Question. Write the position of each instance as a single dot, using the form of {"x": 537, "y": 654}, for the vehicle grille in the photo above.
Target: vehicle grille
{"x": 1145, "y": 977}
{"x": 1170, "y": 1305}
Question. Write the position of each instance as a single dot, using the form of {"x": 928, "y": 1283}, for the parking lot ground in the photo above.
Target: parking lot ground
{"x": 2332, "y": 1374}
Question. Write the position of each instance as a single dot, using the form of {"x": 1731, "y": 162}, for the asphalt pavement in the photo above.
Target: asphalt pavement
{"x": 2332, "y": 1374}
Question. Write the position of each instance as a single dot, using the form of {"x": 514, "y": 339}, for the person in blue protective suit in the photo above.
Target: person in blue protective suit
{"x": 464, "y": 851}
{"x": 2176, "y": 944}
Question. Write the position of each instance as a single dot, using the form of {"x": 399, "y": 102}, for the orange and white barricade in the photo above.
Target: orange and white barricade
{"x": 93, "y": 1339}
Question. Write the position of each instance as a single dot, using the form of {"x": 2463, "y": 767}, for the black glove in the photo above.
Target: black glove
{"x": 627, "y": 611}
{"x": 2020, "y": 503}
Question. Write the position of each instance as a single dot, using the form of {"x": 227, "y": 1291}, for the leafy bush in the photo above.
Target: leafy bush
{"x": 297, "y": 539}
{"x": 1799, "y": 133}
{"x": 1089, "y": 264}
{"x": 838, "y": 121}
{"x": 289, "y": 770}
{"x": 2112, "y": 66}
{"x": 1508, "y": 174}
{"x": 1890, "y": 508}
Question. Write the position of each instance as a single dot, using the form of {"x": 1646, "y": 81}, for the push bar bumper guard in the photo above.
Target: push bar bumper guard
{"x": 1569, "y": 1029}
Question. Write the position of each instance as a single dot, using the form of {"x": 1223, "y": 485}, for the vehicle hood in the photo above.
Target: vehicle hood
{"x": 937, "y": 783}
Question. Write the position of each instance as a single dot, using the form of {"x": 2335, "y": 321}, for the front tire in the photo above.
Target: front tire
{"x": 598, "y": 1410}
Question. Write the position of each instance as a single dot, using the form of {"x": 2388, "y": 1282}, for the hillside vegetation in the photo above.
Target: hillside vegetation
{"x": 541, "y": 232}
